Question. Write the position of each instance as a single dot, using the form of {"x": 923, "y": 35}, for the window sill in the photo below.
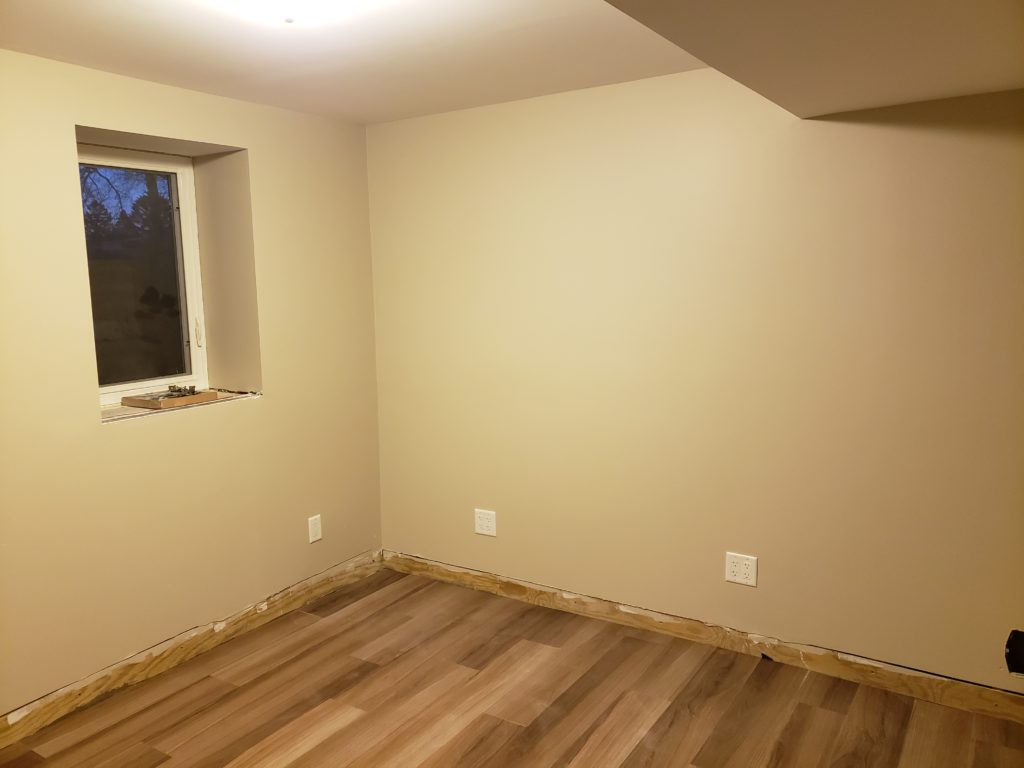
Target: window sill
{"x": 112, "y": 413}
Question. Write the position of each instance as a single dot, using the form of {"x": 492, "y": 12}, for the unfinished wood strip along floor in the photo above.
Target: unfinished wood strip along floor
{"x": 401, "y": 671}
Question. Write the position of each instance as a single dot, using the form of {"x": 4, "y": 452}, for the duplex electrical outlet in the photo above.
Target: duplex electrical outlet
{"x": 486, "y": 522}
{"x": 741, "y": 569}
{"x": 315, "y": 532}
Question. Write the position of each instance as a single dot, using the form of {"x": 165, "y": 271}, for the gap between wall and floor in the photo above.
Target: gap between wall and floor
{"x": 946, "y": 691}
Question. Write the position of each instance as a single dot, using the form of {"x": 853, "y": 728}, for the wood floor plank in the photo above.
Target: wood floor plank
{"x": 673, "y": 669}
{"x": 122, "y": 736}
{"x": 295, "y": 739}
{"x": 807, "y": 739}
{"x": 102, "y": 714}
{"x": 938, "y": 737}
{"x": 988, "y": 755}
{"x": 352, "y": 593}
{"x": 301, "y": 678}
{"x": 612, "y": 741}
{"x": 526, "y": 702}
{"x": 137, "y": 756}
{"x": 351, "y": 624}
{"x": 748, "y": 731}
{"x": 25, "y": 760}
{"x": 694, "y": 714}
{"x": 1002, "y": 733}
{"x": 827, "y": 692}
{"x": 353, "y": 741}
{"x": 230, "y": 737}
{"x": 392, "y": 683}
{"x": 435, "y": 727}
{"x": 555, "y": 627}
{"x": 874, "y": 730}
{"x": 477, "y": 743}
{"x": 503, "y": 635}
{"x": 558, "y": 729}
{"x": 425, "y": 663}
{"x": 19, "y": 755}
{"x": 436, "y": 610}
{"x": 400, "y": 671}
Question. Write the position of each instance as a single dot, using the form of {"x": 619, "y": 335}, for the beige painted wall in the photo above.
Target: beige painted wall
{"x": 652, "y": 322}
{"x": 645, "y": 323}
{"x": 102, "y": 551}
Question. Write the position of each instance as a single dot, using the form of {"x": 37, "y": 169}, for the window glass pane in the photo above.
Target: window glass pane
{"x": 136, "y": 278}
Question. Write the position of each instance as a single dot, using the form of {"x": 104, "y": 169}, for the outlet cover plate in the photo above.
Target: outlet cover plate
{"x": 741, "y": 569}
{"x": 315, "y": 531}
{"x": 486, "y": 522}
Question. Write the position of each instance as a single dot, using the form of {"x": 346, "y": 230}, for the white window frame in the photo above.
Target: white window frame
{"x": 188, "y": 231}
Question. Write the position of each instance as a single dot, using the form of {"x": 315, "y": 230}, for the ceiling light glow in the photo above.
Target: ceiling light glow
{"x": 296, "y": 13}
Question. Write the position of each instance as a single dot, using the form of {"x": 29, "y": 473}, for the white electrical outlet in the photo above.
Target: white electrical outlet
{"x": 315, "y": 532}
{"x": 486, "y": 522}
{"x": 741, "y": 569}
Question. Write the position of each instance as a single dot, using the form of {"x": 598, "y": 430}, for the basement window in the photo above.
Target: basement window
{"x": 139, "y": 213}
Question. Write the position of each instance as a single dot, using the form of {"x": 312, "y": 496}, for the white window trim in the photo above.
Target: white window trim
{"x": 189, "y": 233}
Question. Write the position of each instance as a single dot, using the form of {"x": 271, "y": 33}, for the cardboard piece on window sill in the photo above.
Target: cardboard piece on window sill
{"x": 162, "y": 400}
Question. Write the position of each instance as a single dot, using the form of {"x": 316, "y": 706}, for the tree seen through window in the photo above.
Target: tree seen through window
{"x": 135, "y": 273}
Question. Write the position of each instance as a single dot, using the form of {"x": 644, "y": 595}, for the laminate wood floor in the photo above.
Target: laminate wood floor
{"x": 403, "y": 671}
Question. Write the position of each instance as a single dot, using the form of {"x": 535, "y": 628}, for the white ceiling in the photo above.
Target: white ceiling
{"x": 404, "y": 58}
